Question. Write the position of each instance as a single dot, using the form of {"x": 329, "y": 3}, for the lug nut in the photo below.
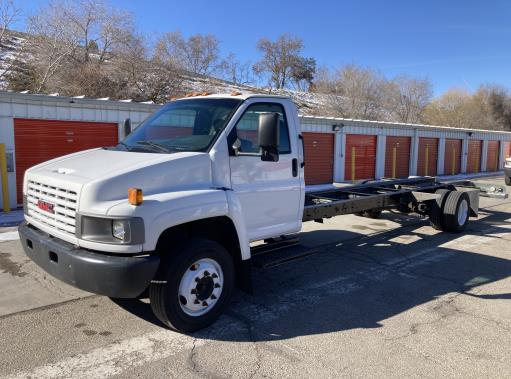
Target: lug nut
{"x": 206, "y": 273}
{"x": 204, "y": 304}
{"x": 214, "y": 276}
{"x": 217, "y": 285}
{"x": 193, "y": 291}
{"x": 196, "y": 301}
{"x": 213, "y": 297}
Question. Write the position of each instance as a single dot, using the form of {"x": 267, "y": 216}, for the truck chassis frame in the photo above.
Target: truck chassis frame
{"x": 406, "y": 195}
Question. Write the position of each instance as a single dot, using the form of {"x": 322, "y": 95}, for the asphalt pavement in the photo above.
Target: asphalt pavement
{"x": 390, "y": 297}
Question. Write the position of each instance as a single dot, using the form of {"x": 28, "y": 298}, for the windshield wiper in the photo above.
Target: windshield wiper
{"x": 155, "y": 145}
{"x": 125, "y": 146}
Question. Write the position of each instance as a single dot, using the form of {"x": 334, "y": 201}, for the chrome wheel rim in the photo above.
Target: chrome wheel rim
{"x": 462, "y": 212}
{"x": 201, "y": 286}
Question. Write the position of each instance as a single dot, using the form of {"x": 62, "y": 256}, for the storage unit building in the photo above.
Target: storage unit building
{"x": 419, "y": 149}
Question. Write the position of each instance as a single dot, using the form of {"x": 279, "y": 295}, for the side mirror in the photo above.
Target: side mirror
{"x": 127, "y": 127}
{"x": 268, "y": 136}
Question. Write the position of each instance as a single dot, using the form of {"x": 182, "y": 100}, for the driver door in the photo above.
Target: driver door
{"x": 269, "y": 192}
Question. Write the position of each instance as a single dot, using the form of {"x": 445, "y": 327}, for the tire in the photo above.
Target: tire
{"x": 507, "y": 179}
{"x": 194, "y": 270}
{"x": 456, "y": 212}
{"x": 436, "y": 213}
{"x": 370, "y": 214}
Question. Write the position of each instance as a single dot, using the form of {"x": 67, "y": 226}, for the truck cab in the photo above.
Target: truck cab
{"x": 172, "y": 208}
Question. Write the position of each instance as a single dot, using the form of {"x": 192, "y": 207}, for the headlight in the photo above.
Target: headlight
{"x": 107, "y": 230}
{"x": 121, "y": 230}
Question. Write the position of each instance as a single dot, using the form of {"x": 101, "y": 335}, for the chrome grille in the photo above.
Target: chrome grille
{"x": 64, "y": 206}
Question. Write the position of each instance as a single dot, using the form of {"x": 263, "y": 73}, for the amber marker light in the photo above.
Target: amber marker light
{"x": 135, "y": 196}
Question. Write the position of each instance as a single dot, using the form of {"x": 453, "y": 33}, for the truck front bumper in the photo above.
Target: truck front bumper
{"x": 110, "y": 275}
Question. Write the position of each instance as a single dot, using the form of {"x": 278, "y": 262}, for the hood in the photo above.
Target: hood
{"x": 105, "y": 175}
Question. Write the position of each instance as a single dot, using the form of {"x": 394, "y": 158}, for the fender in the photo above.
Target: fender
{"x": 163, "y": 211}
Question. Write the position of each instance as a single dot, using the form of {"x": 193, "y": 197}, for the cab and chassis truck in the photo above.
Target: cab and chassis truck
{"x": 172, "y": 210}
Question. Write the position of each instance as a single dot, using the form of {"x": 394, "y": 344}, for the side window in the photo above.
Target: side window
{"x": 246, "y": 128}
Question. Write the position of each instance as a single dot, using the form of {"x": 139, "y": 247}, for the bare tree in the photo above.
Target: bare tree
{"x": 281, "y": 59}
{"x": 406, "y": 98}
{"x": 499, "y": 101}
{"x": 235, "y": 71}
{"x": 354, "y": 92}
{"x": 302, "y": 73}
{"x": 9, "y": 13}
{"x": 12, "y": 43}
{"x": 199, "y": 54}
{"x": 461, "y": 109}
{"x": 52, "y": 43}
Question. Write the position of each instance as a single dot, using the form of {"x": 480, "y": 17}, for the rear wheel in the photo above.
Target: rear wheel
{"x": 193, "y": 285}
{"x": 456, "y": 211}
{"x": 450, "y": 212}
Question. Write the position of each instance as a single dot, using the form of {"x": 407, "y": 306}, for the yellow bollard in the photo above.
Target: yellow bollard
{"x": 394, "y": 156}
{"x": 353, "y": 151}
{"x": 453, "y": 164}
{"x": 427, "y": 161}
{"x": 3, "y": 175}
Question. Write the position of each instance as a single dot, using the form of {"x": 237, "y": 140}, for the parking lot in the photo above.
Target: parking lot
{"x": 389, "y": 297}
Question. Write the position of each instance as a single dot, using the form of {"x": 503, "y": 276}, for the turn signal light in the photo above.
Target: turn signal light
{"x": 135, "y": 196}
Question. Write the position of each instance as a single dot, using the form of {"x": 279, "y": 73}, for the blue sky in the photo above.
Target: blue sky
{"x": 455, "y": 43}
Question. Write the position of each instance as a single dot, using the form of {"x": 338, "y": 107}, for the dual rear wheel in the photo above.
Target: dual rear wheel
{"x": 450, "y": 212}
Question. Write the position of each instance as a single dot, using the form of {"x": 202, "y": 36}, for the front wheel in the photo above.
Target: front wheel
{"x": 193, "y": 285}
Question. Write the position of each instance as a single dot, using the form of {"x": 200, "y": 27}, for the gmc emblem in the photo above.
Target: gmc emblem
{"x": 47, "y": 207}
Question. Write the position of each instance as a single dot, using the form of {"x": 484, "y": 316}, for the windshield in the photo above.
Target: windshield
{"x": 184, "y": 125}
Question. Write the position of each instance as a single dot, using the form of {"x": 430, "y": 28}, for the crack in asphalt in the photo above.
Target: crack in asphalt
{"x": 252, "y": 336}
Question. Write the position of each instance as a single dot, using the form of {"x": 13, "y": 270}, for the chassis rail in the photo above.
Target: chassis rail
{"x": 386, "y": 194}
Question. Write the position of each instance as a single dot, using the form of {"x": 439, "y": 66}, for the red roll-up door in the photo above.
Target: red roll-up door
{"x": 428, "y": 156}
{"x": 474, "y": 156}
{"x": 452, "y": 160}
{"x": 397, "y": 157}
{"x": 492, "y": 156}
{"x": 360, "y": 156}
{"x": 37, "y": 141}
{"x": 319, "y": 158}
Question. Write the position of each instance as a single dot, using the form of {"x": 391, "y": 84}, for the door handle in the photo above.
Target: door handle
{"x": 294, "y": 164}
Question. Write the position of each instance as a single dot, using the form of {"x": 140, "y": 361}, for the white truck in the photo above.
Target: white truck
{"x": 174, "y": 207}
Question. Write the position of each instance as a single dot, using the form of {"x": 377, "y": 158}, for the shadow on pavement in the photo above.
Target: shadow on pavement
{"x": 360, "y": 282}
